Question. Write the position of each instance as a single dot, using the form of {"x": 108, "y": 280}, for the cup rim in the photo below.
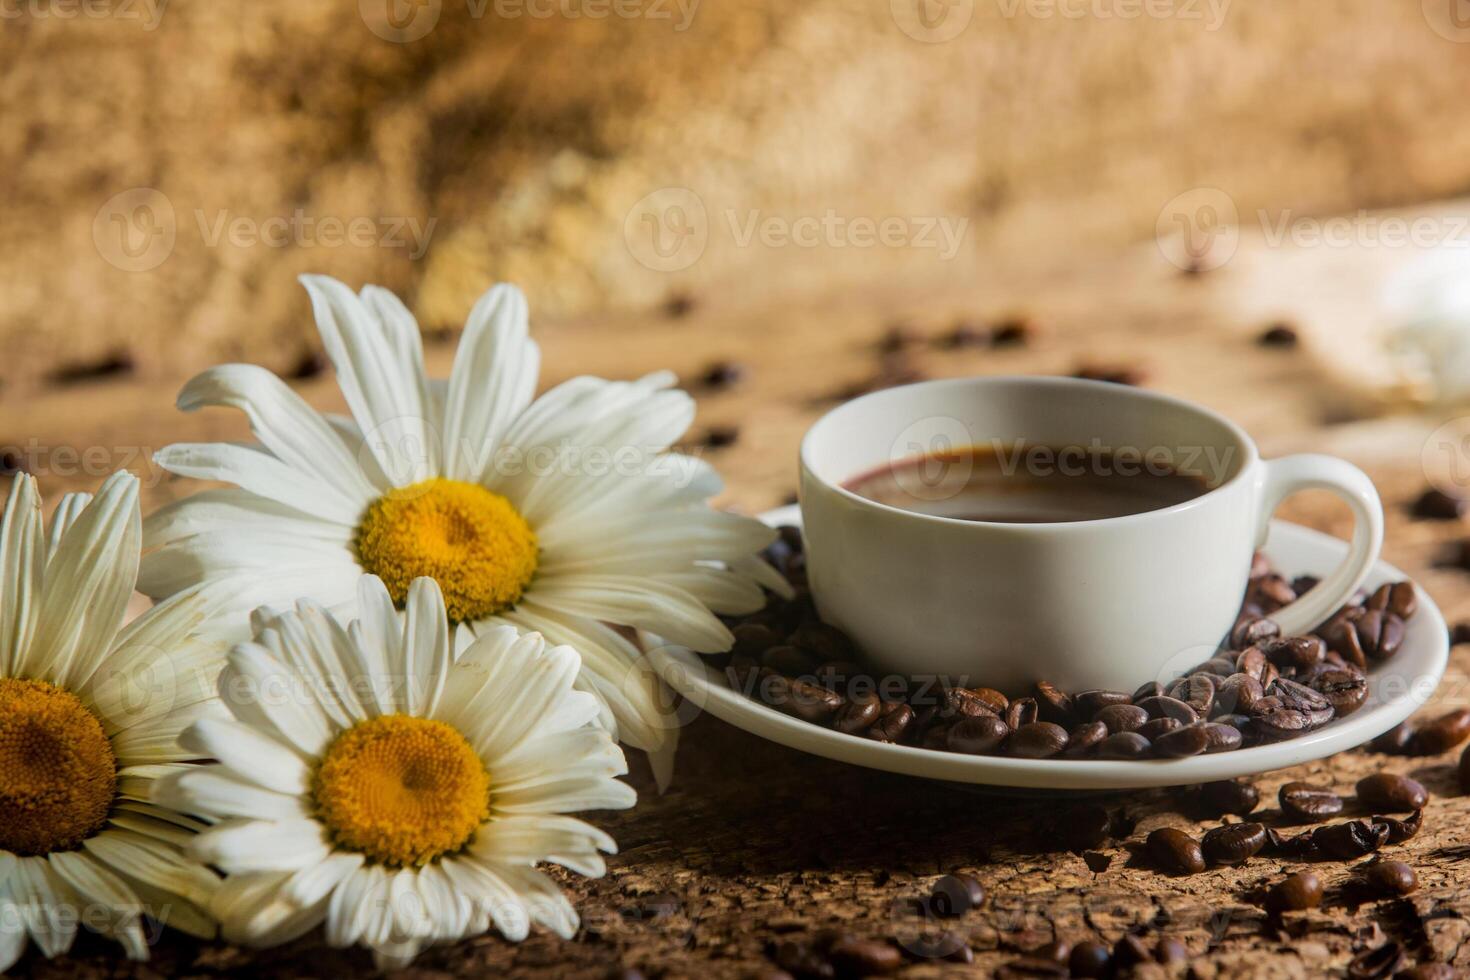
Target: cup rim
{"x": 1111, "y": 389}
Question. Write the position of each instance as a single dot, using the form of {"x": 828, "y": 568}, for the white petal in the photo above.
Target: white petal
{"x": 493, "y": 379}
{"x": 259, "y": 690}
{"x": 259, "y": 472}
{"x": 314, "y": 884}
{"x": 88, "y": 583}
{"x": 631, "y": 600}
{"x": 285, "y": 425}
{"x": 22, "y": 565}
{"x": 45, "y": 903}
{"x": 426, "y": 647}
{"x": 217, "y": 792}
{"x": 376, "y": 350}
{"x": 243, "y": 846}
{"x": 256, "y": 756}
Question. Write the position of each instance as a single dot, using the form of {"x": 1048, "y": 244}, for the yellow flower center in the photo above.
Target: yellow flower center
{"x": 402, "y": 790}
{"x": 58, "y": 775}
{"x": 468, "y": 539}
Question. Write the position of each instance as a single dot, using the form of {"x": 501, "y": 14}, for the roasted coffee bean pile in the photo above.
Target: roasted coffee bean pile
{"x": 1259, "y": 687}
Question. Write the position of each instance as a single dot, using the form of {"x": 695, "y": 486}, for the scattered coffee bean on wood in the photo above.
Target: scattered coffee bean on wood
{"x": 1233, "y": 843}
{"x": 1295, "y": 893}
{"x": 1118, "y": 374}
{"x": 1374, "y": 963}
{"x": 108, "y": 366}
{"x": 1090, "y": 959}
{"x": 1308, "y": 804}
{"x": 720, "y": 375}
{"x": 854, "y": 957}
{"x": 1012, "y": 332}
{"x": 309, "y": 364}
{"x": 1130, "y": 951}
{"x": 1441, "y": 734}
{"x": 720, "y": 437}
{"x": 1395, "y": 741}
{"x": 678, "y": 305}
{"x": 1436, "y": 505}
{"x": 1175, "y": 852}
{"x": 1392, "y": 793}
{"x": 1401, "y": 830}
{"x": 1460, "y": 633}
{"x": 1351, "y": 840}
{"x": 1278, "y": 334}
{"x": 954, "y": 895}
{"x": 1390, "y": 878}
{"x": 1465, "y": 770}
{"x": 1230, "y": 796}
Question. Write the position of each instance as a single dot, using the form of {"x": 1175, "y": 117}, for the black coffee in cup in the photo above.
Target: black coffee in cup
{"x": 1026, "y": 483}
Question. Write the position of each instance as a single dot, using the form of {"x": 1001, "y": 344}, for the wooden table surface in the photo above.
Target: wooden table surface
{"x": 755, "y": 844}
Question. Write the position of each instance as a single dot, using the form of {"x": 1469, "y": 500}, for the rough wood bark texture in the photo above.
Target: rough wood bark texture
{"x": 754, "y": 843}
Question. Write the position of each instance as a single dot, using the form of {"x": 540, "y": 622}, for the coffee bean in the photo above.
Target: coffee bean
{"x": 1175, "y": 852}
{"x": 1198, "y": 691}
{"x": 308, "y": 364}
{"x": 1460, "y": 633}
{"x": 1250, "y": 630}
{"x": 982, "y": 735}
{"x": 720, "y": 436}
{"x": 1391, "y": 793}
{"x": 1271, "y": 591}
{"x": 1057, "y": 951}
{"x": 823, "y": 642}
{"x": 1341, "y": 635}
{"x": 1303, "y": 584}
{"x": 1399, "y": 598}
{"x": 1088, "y": 703}
{"x": 1097, "y": 862}
{"x": 893, "y": 722}
{"x": 754, "y": 639}
{"x": 789, "y": 660}
{"x": 1295, "y": 652}
{"x": 1310, "y": 804}
{"x": 955, "y": 947}
{"x": 1299, "y": 847}
{"x": 858, "y": 714}
{"x": 1441, "y": 734}
{"x": 1054, "y": 705}
{"x": 1038, "y": 740}
{"x": 1129, "y": 951}
{"x": 992, "y": 699}
{"x": 1464, "y": 770}
{"x": 1351, "y": 840}
{"x": 1082, "y": 739}
{"x": 1296, "y": 893}
{"x": 1252, "y": 662}
{"x": 1278, "y": 335}
{"x": 1238, "y": 693}
{"x": 1402, "y": 830}
{"x": 1155, "y": 727}
{"x": 1390, "y": 877}
{"x": 853, "y": 957}
{"x": 1089, "y": 959}
{"x": 1022, "y": 711}
{"x": 1124, "y": 745}
{"x": 1015, "y": 331}
{"x": 719, "y": 375}
{"x": 1118, "y": 374}
{"x": 1150, "y": 689}
{"x": 1380, "y": 633}
{"x": 1233, "y": 843}
{"x": 1344, "y": 689}
{"x": 954, "y": 895}
{"x": 959, "y": 702}
{"x": 810, "y": 702}
{"x": 1230, "y": 796}
{"x": 965, "y": 334}
{"x": 109, "y": 365}
{"x": 1121, "y": 717}
{"x": 1373, "y": 964}
{"x": 1220, "y": 666}
{"x": 1181, "y": 742}
{"x": 1171, "y": 950}
{"x": 1395, "y": 741}
{"x": 1220, "y": 737}
{"x": 1164, "y": 706}
{"x": 1436, "y": 505}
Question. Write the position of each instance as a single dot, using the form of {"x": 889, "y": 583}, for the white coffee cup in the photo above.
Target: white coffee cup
{"x": 1106, "y": 603}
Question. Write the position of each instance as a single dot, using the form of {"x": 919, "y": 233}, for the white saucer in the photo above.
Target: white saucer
{"x": 1396, "y": 689}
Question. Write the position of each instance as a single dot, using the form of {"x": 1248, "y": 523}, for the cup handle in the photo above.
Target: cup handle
{"x": 1309, "y": 471}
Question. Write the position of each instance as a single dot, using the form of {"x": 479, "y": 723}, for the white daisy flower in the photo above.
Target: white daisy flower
{"x": 372, "y": 781}
{"x": 564, "y": 515}
{"x": 90, "y": 713}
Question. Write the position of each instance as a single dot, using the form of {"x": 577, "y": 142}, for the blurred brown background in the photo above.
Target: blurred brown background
{"x": 437, "y": 145}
